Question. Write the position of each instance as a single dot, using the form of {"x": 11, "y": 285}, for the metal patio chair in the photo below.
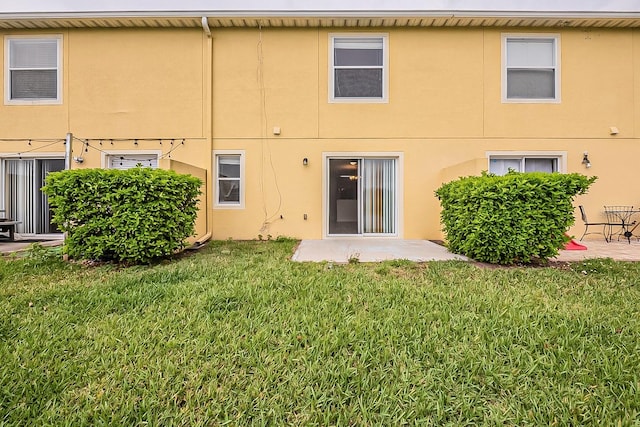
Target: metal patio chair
{"x": 605, "y": 225}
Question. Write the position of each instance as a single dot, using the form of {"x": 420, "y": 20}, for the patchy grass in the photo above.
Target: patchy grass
{"x": 237, "y": 334}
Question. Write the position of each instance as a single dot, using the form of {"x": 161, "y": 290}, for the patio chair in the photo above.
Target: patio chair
{"x": 605, "y": 225}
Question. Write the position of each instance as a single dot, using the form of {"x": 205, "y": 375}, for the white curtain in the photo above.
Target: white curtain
{"x": 379, "y": 196}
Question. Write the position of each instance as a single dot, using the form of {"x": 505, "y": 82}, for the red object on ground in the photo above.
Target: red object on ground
{"x": 572, "y": 245}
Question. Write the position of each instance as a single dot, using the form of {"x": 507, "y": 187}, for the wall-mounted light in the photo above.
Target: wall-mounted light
{"x": 305, "y": 161}
{"x": 613, "y": 130}
{"x": 585, "y": 160}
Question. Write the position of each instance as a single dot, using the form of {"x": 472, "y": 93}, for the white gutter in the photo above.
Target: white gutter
{"x": 325, "y": 14}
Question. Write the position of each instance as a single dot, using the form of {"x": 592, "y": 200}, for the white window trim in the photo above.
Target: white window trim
{"x": 385, "y": 69}
{"x": 399, "y": 156}
{"x": 556, "y": 38}
{"x": 560, "y": 155}
{"x": 243, "y": 183}
{"x": 104, "y": 155}
{"x": 7, "y": 74}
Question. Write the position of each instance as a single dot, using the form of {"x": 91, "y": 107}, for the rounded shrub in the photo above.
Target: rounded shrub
{"x": 515, "y": 218}
{"x": 133, "y": 215}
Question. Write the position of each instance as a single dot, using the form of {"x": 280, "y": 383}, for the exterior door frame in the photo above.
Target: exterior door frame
{"x": 399, "y": 211}
{"x": 27, "y": 156}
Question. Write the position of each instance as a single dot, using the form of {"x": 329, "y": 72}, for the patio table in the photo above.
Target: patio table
{"x": 621, "y": 216}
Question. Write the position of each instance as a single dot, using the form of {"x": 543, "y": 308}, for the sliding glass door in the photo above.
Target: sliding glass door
{"x": 24, "y": 201}
{"x": 362, "y": 195}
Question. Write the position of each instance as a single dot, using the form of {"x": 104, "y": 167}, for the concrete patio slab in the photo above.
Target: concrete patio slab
{"x": 371, "y": 250}
{"x": 22, "y": 243}
{"x": 620, "y": 250}
{"x": 375, "y": 250}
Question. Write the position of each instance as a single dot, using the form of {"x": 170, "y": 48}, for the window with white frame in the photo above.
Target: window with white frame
{"x": 530, "y": 68}
{"x": 501, "y": 164}
{"x": 358, "y": 68}
{"x": 128, "y": 161}
{"x": 229, "y": 188}
{"x": 33, "y": 70}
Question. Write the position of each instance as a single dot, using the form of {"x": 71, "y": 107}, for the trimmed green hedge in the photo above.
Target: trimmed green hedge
{"x": 516, "y": 218}
{"x": 134, "y": 215}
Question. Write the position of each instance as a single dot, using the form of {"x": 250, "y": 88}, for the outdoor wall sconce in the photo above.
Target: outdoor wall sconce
{"x": 585, "y": 160}
{"x": 305, "y": 161}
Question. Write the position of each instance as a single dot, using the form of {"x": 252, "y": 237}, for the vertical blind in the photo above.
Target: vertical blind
{"x": 25, "y": 202}
{"x": 44, "y": 214}
{"x": 378, "y": 192}
{"x": 21, "y": 197}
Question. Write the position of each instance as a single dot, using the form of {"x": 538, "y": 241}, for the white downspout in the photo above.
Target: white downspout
{"x": 205, "y": 26}
{"x": 67, "y": 151}
{"x": 209, "y": 134}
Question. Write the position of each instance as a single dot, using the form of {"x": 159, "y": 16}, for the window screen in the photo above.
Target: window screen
{"x": 531, "y": 71}
{"x": 33, "y": 69}
{"x": 358, "y": 67}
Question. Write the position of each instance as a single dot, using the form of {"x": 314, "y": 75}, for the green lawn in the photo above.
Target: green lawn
{"x": 238, "y": 334}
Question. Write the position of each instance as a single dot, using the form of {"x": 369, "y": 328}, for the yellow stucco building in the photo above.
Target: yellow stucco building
{"x": 320, "y": 123}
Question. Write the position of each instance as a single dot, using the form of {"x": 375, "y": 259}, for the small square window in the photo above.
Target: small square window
{"x": 358, "y": 68}
{"x": 33, "y": 70}
{"x": 229, "y": 186}
{"x": 530, "y": 69}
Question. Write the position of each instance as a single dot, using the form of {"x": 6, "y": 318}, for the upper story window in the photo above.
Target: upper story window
{"x": 358, "y": 68}
{"x": 530, "y": 68}
{"x": 33, "y": 70}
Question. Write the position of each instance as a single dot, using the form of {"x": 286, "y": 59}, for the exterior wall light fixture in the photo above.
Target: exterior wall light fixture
{"x": 585, "y": 160}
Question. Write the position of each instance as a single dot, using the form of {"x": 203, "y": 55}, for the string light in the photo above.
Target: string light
{"x": 86, "y": 144}
{"x": 32, "y": 139}
{"x": 20, "y": 153}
